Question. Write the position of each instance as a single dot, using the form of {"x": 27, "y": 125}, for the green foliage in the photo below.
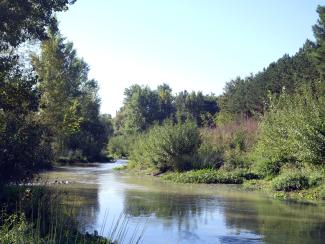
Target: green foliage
{"x": 120, "y": 146}
{"x": 248, "y": 97}
{"x": 16, "y": 229}
{"x": 196, "y": 106}
{"x": 223, "y": 118}
{"x": 23, "y": 147}
{"x": 290, "y": 181}
{"x": 144, "y": 107}
{"x": 38, "y": 215}
{"x": 21, "y": 20}
{"x": 227, "y": 145}
{"x": 209, "y": 155}
{"x": 141, "y": 107}
{"x": 292, "y": 131}
{"x": 168, "y": 147}
{"x": 322, "y": 192}
{"x": 206, "y": 176}
{"x": 69, "y": 101}
{"x": 319, "y": 53}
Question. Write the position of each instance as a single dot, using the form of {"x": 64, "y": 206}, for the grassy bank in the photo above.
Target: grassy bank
{"x": 284, "y": 187}
{"x": 41, "y": 215}
{"x": 284, "y": 149}
{"x": 294, "y": 186}
{"x": 38, "y": 214}
{"x": 209, "y": 176}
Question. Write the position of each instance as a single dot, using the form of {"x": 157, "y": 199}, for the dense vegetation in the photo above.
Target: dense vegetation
{"x": 37, "y": 215}
{"x": 266, "y": 129}
{"x": 268, "y": 126}
{"x": 49, "y": 111}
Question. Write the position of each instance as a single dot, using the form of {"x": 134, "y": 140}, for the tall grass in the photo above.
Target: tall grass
{"x": 39, "y": 215}
{"x": 227, "y": 145}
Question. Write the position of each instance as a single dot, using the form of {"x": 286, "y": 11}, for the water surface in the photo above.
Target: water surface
{"x": 186, "y": 213}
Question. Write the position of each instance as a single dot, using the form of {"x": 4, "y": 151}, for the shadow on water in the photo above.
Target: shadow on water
{"x": 175, "y": 213}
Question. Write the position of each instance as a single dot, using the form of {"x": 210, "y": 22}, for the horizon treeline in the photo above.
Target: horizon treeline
{"x": 50, "y": 109}
{"x": 269, "y": 125}
{"x": 242, "y": 97}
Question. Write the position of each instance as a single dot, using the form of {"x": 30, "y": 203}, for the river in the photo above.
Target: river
{"x": 185, "y": 213}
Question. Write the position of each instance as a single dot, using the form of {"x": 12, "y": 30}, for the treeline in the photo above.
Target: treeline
{"x": 269, "y": 125}
{"x": 49, "y": 109}
{"x": 144, "y": 107}
{"x": 249, "y": 97}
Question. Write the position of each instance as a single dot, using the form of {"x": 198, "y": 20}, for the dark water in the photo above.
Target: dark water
{"x": 175, "y": 213}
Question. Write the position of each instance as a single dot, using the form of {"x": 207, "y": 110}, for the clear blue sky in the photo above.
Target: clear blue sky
{"x": 189, "y": 44}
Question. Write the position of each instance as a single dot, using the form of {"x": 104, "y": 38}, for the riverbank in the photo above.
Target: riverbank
{"x": 178, "y": 213}
{"x": 66, "y": 161}
{"x": 312, "y": 191}
{"x": 41, "y": 214}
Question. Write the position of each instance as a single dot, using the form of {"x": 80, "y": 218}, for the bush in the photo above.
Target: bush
{"x": 120, "y": 146}
{"x": 315, "y": 179}
{"x": 292, "y": 131}
{"x": 227, "y": 145}
{"x": 290, "y": 181}
{"x": 16, "y": 229}
{"x": 24, "y": 150}
{"x": 168, "y": 147}
{"x": 322, "y": 192}
{"x": 209, "y": 155}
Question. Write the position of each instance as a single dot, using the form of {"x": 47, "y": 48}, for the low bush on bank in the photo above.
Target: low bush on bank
{"x": 227, "y": 145}
{"x": 210, "y": 176}
{"x": 293, "y": 179}
{"x": 292, "y": 132}
{"x": 290, "y": 181}
{"x": 168, "y": 147}
{"x": 120, "y": 146}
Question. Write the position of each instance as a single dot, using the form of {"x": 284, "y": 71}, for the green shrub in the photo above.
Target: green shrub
{"x": 223, "y": 118}
{"x": 209, "y": 154}
{"x": 120, "y": 146}
{"x": 290, "y": 181}
{"x": 315, "y": 179}
{"x": 168, "y": 147}
{"x": 292, "y": 131}
{"x": 16, "y": 229}
{"x": 206, "y": 176}
{"x": 227, "y": 145}
{"x": 322, "y": 192}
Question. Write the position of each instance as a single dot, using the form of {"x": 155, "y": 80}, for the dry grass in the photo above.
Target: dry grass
{"x": 225, "y": 135}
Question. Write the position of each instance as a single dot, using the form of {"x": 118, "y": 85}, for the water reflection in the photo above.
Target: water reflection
{"x": 278, "y": 221}
{"x": 192, "y": 213}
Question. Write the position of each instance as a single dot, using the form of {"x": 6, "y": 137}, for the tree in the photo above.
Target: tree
{"x": 69, "y": 104}
{"x": 141, "y": 108}
{"x": 319, "y": 32}
{"x": 24, "y": 148}
{"x": 248, "y": 97}
{"x": 201, "y": 108}
{"x": 21, "y": 21}
{"x": 61, "y": 74}
{"x": 166, "y": 99}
